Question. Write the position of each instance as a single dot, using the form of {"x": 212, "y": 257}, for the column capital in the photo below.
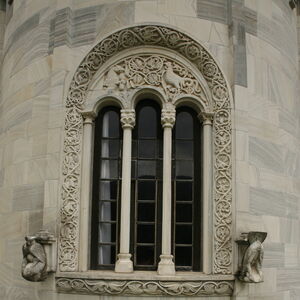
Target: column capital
{"x": 168, "y": 117}
{"x": 88, "y": 117}
{"x": 206, "y": 118}
{"x": 128, "y": 118}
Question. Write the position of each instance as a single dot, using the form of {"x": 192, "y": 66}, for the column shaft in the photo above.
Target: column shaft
{"x": 124, "y": 263}
{"x": 85, "y": 200}
{"x": 166, "y": 265}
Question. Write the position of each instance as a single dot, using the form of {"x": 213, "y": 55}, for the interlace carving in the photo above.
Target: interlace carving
{"x": 153, "y": 70}
{"x": 176, "y": 41}
{"x": 150, "y": 288}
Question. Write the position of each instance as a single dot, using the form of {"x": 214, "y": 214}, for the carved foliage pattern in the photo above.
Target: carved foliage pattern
{"x": 121, "y": 40}
{"x": 153, "y": 70}
{"x": 151, "y": 288}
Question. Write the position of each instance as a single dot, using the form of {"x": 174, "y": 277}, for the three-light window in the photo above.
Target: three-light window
{"x": 147, "y": 180}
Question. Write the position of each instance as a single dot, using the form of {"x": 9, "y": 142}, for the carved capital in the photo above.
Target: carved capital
{"x": 89, "y": 117}
{"x": 206, "y": 118}
{"x": 168, "y": 117}
{"x": 128, "y": 118}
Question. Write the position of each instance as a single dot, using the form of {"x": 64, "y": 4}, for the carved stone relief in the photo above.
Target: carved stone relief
{"x": 251, "y": 266}
{"x": 153, "y": 70}
{"x": 35, "y": 265}
{"x": 176, "y": 79}
{"x": 150, "y": 288}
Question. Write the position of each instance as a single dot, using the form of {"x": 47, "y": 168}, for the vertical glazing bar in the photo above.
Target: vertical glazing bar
{"x": 166, "y": 265}
{"x": 124, "y": 263}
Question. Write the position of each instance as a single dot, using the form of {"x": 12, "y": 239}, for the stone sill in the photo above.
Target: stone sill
{"x": 141, "y": 283}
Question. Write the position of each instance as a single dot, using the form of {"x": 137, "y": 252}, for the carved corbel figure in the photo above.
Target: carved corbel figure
{"x": 252, "y": 257}
{"x": 34, "y": 264}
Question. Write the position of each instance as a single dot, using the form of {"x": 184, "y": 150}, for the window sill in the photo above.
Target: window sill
{"x": 145, "y": 283}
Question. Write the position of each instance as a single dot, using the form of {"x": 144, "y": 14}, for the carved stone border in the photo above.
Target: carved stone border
{"x": 125, "y": 39}
{"x": 143, "y": 287}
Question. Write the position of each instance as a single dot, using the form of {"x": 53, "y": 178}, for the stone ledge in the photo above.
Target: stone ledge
{"x": 111, "y": 283}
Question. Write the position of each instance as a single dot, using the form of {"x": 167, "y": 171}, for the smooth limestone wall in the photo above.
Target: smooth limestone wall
{"x": 44, "y": 43}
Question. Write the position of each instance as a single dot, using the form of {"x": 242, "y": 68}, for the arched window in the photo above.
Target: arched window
{"x": 106, "y": 189}
{"x": 147, "y": 181}
{"x": 146, "y": 186}
{"x": 186, "y": 173}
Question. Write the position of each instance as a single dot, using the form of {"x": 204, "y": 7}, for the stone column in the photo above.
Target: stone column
{"x": 207, "y": 198}
{"x": 124, "y": 263}
{"x": 166, "y": 265}
{"x": 86, "y": 183}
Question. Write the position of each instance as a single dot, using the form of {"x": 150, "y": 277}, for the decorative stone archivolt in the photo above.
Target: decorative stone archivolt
{"x": 175, "y": 79}
{"x": 150, "y": 288}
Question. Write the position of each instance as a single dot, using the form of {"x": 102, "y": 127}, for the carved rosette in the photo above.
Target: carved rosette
{"x": 128, "y": 118}
{"x": 168, "y": 117}
{"x": 150, "y": 288}
{"x": 176, "y": 41}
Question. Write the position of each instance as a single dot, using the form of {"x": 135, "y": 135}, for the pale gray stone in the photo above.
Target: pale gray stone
{"x": 28, "y": 197}
{"x": 213, "y": 10}
{"x": 274, "y": 255}
{"x": 264, "y": 154}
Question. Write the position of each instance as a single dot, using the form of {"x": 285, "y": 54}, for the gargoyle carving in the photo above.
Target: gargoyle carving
{"x": 251, "y": 267}
{"x": 34, "y": 264}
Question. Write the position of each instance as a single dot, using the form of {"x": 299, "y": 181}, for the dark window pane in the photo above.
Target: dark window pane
{"x": 147, "y": 148}
{"x": 184, "y": 169}
{"x": 109, "y": 169}
{"x": 145, "y": 255}
{"x": 145, "y": 233}
{"x": 108, "y": 190}
{"x": 110, "y": 124}
{"x": 147, "y": 122}
{"x": 146, "y": 169}
{"x": 107, "y": 233}
{"x": 107, "y": 211}
{"x": 184, "y": 191}
{"x": 146, "y": 190}
{"x": 106, "y": 254}
{"x": 183, "y": 256}
{"x": 184, "y": 126}
{"x": 183, "y": 234}
{"x": 110, "y": 148}
{"x": 146, "y": 212}
{"x": 184, "y": 149}
{"x": 134, "y": 149}
{"x": 184, "y": 212}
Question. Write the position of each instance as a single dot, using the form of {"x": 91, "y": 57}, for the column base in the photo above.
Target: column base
{"x": 166, "y": 265}
{"x": 124, "y": 263}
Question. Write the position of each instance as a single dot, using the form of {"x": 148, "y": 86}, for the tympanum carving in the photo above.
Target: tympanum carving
{"x": 176, "y": 79}
{"x": 251, "y": 265}
{"x": 153, "y": 70}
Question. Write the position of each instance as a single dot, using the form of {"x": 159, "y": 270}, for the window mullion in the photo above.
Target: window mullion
{"x": 166, "y": 265}
{"x": 124, "y": 262}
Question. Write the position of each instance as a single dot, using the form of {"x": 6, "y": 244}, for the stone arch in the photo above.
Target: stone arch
{"x": 198, "y": 56}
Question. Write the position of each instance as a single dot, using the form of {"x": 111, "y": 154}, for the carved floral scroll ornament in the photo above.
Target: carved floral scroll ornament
{"x": 176, "y": 41}
{"x": 153, "y": 70}
{"x": 150, "y": 288}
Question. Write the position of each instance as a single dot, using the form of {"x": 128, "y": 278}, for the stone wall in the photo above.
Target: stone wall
{"x": 255, "y": 43}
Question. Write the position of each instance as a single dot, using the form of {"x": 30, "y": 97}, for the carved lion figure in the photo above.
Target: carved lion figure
{"x": 34, "y": 260}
